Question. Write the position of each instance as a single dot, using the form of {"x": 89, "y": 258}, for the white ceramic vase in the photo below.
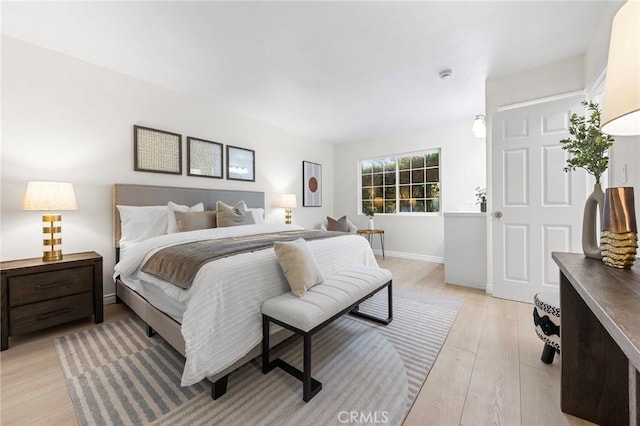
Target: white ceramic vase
{"x": 371, "y": 225}
{"x": 592, "y": 210}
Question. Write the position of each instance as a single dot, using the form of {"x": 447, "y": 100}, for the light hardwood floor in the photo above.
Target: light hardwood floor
{"x": 488, "y": 372}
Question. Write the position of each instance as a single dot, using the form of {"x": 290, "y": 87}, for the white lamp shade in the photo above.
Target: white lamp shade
{"x": 288, "y": 201}
{"x": 621, "y": 105}
{"x": 479, "y": 127}
{"x": 49, "y": 196}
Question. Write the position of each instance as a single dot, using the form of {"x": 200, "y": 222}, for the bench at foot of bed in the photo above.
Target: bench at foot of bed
{"x": 339, "y": 294}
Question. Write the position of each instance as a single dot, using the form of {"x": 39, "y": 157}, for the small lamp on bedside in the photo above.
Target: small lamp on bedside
{"x": 50, "y": 197}
{"x": 288, "y": 202}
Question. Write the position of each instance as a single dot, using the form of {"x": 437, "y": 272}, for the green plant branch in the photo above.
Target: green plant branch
{"x": 589, "y": 146}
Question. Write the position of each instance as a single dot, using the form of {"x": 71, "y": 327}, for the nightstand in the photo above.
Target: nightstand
{"x": 369, "y": 233}
{"x": 36, "y": 294}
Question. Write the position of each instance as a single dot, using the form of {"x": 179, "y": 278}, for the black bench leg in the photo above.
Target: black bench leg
{"x": 310, "y": 386}
{"x": 385, "y": 321}
{"x": 389, "y": 301}
{"x": 306, "y": 370}
{"x": 547, "y": 354}
{"x": 219, "y": 387}
{"x": 266, "y": 364}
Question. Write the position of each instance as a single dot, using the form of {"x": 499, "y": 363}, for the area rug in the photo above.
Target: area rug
{"x": 117, "y": 375}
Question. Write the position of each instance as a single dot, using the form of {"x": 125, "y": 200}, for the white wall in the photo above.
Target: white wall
{"x": 547, "y": 80}
{"x": 595, "y": 57}
{"x": 67, "y": 120}
{"x": 462, "y": 170}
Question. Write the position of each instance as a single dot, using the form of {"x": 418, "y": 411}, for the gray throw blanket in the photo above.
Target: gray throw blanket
{"x": 179, "y": 264}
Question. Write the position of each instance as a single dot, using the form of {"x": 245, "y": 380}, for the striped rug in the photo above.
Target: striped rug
{"x": 116, "y": 375}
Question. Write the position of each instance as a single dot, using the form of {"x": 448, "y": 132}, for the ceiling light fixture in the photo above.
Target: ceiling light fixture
{"x": 445, "y": 74}
{"x": 479, "y": 127}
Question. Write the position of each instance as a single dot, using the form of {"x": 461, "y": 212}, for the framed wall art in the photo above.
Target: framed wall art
{"x": 204, "y": 158}
{"x": 312, "y": 184}
{"x": 241, "y": 164}
{"x": 156, "y": 151}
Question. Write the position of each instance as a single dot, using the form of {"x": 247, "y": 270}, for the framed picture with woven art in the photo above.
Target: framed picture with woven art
{"x": 156, "y": 151}
{"x": 311, "y": 184}
{"x": 204, "y": 158}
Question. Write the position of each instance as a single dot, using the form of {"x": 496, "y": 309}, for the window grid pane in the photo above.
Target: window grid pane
{"x": 402, "y": 184}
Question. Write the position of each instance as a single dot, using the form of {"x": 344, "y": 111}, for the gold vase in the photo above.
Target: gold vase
{"x": 619, "y": 236}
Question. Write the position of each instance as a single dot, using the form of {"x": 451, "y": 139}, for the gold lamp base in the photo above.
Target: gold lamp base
{"x": 287, "y": 216}
{"x": 52, "y": 239}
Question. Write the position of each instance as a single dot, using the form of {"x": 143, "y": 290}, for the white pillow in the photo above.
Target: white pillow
{"x": 172, "y": 225}
{"x": 298, "y": 264}
{"x": 138, "y": 223}
{"x": 258, "y": 215}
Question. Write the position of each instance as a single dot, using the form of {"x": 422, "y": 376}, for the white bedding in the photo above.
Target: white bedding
{"x": 222, "y": 320}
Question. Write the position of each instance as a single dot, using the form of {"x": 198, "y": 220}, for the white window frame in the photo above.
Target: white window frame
{"x": 397, "y": 180}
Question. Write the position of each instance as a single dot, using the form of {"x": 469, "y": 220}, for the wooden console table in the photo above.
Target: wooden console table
{"x": 600, "y": 340}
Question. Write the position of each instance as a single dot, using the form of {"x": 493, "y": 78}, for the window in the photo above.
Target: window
{"x": 408, "y": 183}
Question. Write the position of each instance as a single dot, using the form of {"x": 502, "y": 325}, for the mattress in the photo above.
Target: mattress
{"x": 156, "y": 297}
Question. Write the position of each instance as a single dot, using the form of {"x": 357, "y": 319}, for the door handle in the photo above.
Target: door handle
{"x": 497, "y": 214}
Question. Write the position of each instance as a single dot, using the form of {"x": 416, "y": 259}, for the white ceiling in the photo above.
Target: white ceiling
{"x": 330, "y": 71}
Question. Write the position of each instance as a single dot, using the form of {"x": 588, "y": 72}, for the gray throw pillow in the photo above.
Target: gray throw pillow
{"x": 233, "y": 216}
{"x": 339, "y": 225}
{"x": 191, "y": 221}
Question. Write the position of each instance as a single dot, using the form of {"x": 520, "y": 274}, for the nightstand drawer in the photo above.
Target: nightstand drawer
{"x": 36, "y": 316}
{"x": 48, "y": 285}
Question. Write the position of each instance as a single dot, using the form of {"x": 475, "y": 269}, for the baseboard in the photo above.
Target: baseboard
{"x": 489, "y": 288}
{"x": 411, "y": 256}
{"x": 109, "y": 299}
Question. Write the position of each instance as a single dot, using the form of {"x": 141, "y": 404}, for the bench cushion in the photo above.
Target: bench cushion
{"x": 336, "y": 293}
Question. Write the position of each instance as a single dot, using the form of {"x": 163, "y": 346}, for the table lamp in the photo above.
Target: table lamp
{"x": 50, "y": 197}
{"x": 288, "y": 202}
{"x": 621, "y": 106}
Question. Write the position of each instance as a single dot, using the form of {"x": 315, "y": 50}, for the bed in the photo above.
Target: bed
{"x": 216, "y": 322}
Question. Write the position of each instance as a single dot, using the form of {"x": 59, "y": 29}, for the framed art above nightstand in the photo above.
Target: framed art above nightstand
{"x": 36, "y": 294}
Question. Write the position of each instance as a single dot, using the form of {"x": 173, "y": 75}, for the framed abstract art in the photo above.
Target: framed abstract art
{"x": 204, "y": 158}
{"x": 312, "y": 184}
{"x": 241, "y": 164}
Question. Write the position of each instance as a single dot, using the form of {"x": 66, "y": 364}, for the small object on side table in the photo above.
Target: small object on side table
{"x": 36, "y": 294}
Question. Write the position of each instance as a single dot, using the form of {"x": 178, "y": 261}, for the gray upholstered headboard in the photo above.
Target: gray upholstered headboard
{"x": 150, "y": 195}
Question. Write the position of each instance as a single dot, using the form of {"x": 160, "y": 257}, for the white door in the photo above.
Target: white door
{"x": 537, "y": 207}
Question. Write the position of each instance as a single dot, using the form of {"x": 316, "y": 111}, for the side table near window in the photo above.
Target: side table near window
{"x": 369, "y": 233}
{"x": 36, "y": 294}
